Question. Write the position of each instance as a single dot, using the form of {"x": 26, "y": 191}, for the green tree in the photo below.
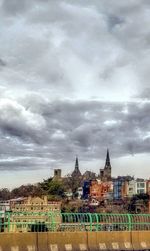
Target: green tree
{"x": 53, "y": 188}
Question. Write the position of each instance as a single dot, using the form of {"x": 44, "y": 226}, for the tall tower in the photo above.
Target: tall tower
{"x": 105, "y": 173}
{"x": 76, "y": 164}
{"x": 76, "y": 172}
{"x": 107, "y": 163}
{"x": 57, "y": 174}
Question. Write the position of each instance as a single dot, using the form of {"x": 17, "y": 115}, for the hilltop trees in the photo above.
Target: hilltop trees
{"x": 55, "y": 189}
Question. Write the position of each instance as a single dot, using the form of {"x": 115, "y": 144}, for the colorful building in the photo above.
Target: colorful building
{"x": 86, "y": 189}
{"x": 100, "y": 190}
{"x": 148, "y": 187}
{"x": 121, "y": 187}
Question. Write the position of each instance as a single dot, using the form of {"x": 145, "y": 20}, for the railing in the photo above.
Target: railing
{"x": 56, "y": 221}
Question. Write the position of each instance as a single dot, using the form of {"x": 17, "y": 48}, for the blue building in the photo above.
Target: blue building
{"x": 86, "y": 189}
{"x": 117, "y": 188}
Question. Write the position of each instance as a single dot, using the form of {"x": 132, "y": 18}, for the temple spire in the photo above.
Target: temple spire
{"x": 107, "y": 163}
{"x": 76, "y": 173}
{"x": 77, "y": 164}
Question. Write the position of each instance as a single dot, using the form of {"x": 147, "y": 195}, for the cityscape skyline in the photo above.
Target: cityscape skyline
{"x": 74, "y": 79}
{"x": 83, "y": 168}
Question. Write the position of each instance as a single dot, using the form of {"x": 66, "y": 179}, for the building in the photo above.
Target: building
{"x": 131, "y": 188}
{"x": 4, "y": 206}
{"x": 33, "y": 214}
{"x": 121, "y": 187}
{"x": 57, "y": 175}
{"x": 101, "y": 190}
{"x": 76, "y": 173}
{"x": 86, "y": 189}
{"x": 140, "y": 186}
{"x": 107, "y": 190}
{"x": 96, "y": 189}
{"x": 80, "y": 192}
{"x": 105, "y": 173}
{"x": 148, "y": 187}
{"x": 34, "y": 204}
{"x": 88, "y": 175}
{"x": 69, "y": 194}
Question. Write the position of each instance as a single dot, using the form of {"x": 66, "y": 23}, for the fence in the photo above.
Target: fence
{"x": 55, "y": 221}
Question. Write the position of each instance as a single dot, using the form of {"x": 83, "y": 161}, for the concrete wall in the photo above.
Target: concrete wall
{"x": 75, "y": 241}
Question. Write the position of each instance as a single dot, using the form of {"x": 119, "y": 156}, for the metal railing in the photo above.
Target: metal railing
{"x": 56, "y": 221}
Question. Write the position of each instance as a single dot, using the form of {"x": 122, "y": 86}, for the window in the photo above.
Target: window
{"x": 141, "y": 185}
{"x": 139, "y": 191}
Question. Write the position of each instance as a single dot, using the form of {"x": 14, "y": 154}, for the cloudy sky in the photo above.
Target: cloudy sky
{"x": 74, "y": 80}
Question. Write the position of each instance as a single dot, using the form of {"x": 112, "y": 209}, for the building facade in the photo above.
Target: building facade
{"x": 131, "y": 188}
{"x": 148, "y": 187}
{"x": 33, "y": 214}
{"x": 140, "y": 186}
{"x": 57, "y": 175}
{"x": 86, "y": 189}
{"x": 100, "y": 190}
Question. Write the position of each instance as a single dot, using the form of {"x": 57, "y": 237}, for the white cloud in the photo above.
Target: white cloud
{"x": 69, "y": 73}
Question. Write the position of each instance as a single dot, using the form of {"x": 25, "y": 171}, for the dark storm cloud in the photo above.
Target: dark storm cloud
{"x": 84, "y": 128}
{"x": 2, "y": 63}
{"x": 14, "y": 7}
{"x": 17, "y": 121}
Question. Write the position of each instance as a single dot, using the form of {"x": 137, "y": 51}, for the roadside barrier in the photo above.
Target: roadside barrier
{"x": 13, "y": 222}
{"x": 75, "y": 241}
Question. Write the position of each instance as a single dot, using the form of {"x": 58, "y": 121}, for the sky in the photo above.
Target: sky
{"x": 74, "y": 80}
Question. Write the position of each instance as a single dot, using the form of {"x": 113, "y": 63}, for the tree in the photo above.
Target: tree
{"x": 4, "y": 194}
{"x": 26, "y": 190}
{"x": 53, "y": 188}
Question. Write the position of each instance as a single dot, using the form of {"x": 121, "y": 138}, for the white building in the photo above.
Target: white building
{"x": 140, "y": 186}
{"x": 131, "y": 188}
{"x": 80, "y": 192}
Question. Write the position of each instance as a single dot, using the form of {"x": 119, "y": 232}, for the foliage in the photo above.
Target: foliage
{"x": 26, "y": 190}
{"x": 5, "y": 194}
{"x": 53, "y": 188}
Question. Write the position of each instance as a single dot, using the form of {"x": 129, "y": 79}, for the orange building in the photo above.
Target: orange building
{"x": 148, "y": 187}
{"x": 95, "y": 189}
{"x": 99, "y": 190}
{"x": 124, "y": 189}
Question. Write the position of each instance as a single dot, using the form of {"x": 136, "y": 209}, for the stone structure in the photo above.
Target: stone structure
{"x": 57, "y": 175}
{"x": 34, "y": 204}
{"x": 105, "y": 173}
{"x": 76, "y": 173}
{"x": 33, "y": 210}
